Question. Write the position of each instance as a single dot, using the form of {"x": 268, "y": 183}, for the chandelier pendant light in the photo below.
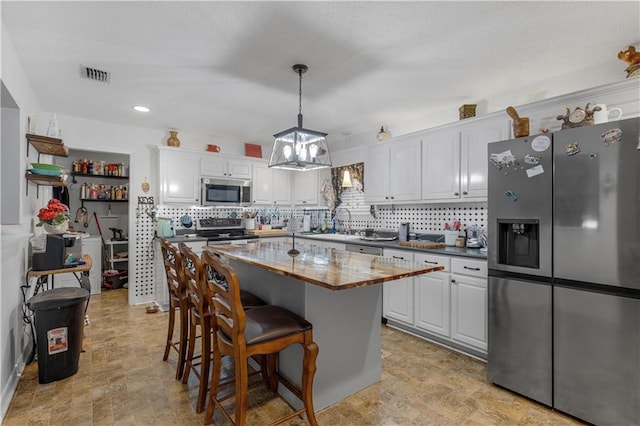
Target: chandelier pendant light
{"x": 298, "y": 148}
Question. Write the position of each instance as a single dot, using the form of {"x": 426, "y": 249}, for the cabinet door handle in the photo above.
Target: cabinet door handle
{"x": 433, "y": 263}
{"x": 471, "y": 269}
{"x": 392, "y": 197}
{"x": 386, "y": 198}
{"x": 453, "y": 281}
{"x": 456, "y": 193}
{"x": 464, "y": 192}
{"x": 275, "y": 202}
{"x": 398, "y": 257}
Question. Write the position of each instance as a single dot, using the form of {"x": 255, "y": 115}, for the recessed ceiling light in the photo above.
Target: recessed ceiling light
{"x": 141, "y": 108}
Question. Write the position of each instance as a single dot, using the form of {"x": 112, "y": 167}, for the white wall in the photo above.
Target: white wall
{"x": 13, "y": 238}
{"x": 525, "y": 94}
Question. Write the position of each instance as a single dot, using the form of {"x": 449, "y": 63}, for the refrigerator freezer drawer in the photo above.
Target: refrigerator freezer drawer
{"x": 597, "y": 356}
{"x": 519, "y": 355}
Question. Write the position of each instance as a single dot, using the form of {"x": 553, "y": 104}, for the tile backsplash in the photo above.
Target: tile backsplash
{"x": 424, "y": 218}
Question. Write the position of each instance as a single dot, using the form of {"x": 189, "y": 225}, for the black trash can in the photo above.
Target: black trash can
{"x": 59, "y": 321}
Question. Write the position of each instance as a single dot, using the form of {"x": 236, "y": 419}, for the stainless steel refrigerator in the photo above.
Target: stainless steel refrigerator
{"x": 564, "y": 270}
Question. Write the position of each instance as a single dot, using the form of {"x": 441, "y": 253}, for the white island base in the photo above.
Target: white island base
{"x": 346, "y": 327}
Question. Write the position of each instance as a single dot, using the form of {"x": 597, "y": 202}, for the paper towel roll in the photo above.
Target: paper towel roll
{"x": 306, "y": 223}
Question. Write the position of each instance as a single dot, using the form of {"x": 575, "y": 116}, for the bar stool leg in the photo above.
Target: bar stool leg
{"x": 308, "y": 373}
{"x": 172, "y": 320}
{"x": 184, "y": 338}
{"x": 193, "y": 325}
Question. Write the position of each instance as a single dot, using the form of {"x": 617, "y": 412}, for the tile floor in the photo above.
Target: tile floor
{"x": 122, "y": 380}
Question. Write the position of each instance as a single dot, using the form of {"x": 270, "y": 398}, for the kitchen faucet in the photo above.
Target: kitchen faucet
{"x": 348, "y": 227}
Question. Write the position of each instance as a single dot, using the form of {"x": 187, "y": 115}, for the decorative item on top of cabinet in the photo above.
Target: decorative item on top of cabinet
{"x": 578, "y": 118}
{"x": 520, "y": 124}
{"x": 631, "y": 57}
{"x": 467, "y": 111}
{"x": 253, "y": 150}
{"x": 173, "y": 139}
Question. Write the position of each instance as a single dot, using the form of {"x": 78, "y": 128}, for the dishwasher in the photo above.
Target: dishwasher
{"x": 373, "y": 251}
{"x": 355, "y": 248}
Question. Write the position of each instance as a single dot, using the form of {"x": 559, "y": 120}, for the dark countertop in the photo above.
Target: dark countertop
{"x": 184, "y": 239}
{"x": 447, "y": 251}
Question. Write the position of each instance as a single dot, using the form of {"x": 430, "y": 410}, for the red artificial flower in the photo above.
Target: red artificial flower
{"x": 54, "y": 213}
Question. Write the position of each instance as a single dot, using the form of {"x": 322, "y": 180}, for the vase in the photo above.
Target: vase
{"x": 60, "y": 228}
{"x": 173, "y": 139}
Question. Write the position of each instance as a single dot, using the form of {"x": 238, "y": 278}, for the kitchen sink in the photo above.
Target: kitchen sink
{"x": 335, "y": 237}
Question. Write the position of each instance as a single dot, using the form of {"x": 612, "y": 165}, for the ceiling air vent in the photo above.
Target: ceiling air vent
{"x": 95, "y": 74}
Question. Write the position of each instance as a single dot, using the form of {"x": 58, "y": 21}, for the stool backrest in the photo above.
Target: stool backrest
{"x": 224, "y": 293}
{"x": 192, "y": 269}
{"x": 173, "y": 269}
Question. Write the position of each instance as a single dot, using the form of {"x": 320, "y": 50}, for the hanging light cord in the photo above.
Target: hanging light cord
{"x": 300, "y": 93}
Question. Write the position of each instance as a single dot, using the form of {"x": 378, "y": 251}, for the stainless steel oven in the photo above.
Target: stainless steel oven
{"x": 223, "y": 231}
{"x": 225, "y": 192}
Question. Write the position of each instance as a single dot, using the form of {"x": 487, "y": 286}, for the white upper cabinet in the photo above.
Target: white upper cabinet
{"x": 306, "y": 189}
{"x": 441, "y": 165}
{"x": 179, "y": 176}
{"x": 214, "y": 165}
{"x": 474, "y": 160}
{"x": 392, "y": 171}
{"x": 455, "y": 161}
{"x": 271, "y": 186}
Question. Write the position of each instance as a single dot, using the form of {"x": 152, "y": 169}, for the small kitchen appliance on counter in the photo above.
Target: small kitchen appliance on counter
{"x": 403, "y": 232}
{"x": 164, "y": 228}
{"x": 473, "y": 237}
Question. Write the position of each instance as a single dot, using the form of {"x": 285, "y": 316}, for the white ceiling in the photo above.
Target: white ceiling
{"x": 223, "y": 69}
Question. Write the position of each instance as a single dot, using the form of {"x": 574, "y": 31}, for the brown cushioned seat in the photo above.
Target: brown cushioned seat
{"x": 271, "y": 322}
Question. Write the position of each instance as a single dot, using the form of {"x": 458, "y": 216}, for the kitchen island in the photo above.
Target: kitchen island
{"x": 336, "y": 291}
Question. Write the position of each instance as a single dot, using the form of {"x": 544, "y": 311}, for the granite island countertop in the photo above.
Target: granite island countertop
{"x": 329, "y": 268}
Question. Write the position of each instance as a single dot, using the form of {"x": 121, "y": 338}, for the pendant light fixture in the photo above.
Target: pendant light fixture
{"x": 346, "y": 179}
{"x": 298, "y": 148}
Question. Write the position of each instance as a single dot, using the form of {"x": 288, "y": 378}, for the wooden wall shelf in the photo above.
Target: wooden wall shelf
{"x": 47, "y": 145}
{"x": 45, "y": 180}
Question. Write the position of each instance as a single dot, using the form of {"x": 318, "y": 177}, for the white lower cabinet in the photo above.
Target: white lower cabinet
{"x": 450, "y": 304}
{"x": 432, "y": 296}
{"x": 469, "y": 302}
{"x": 397, "y": 295}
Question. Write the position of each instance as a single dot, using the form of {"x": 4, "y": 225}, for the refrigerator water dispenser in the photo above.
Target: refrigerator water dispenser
{"x": 519, "y": 243}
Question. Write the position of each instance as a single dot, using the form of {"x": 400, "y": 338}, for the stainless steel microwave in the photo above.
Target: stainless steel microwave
{"x": 225, "y": 192}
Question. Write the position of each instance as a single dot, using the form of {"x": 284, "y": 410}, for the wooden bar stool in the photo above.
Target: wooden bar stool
{"x": 177, "y": 302}
{"x": 263, "y": 331}
{"x": 200, "y": 322}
